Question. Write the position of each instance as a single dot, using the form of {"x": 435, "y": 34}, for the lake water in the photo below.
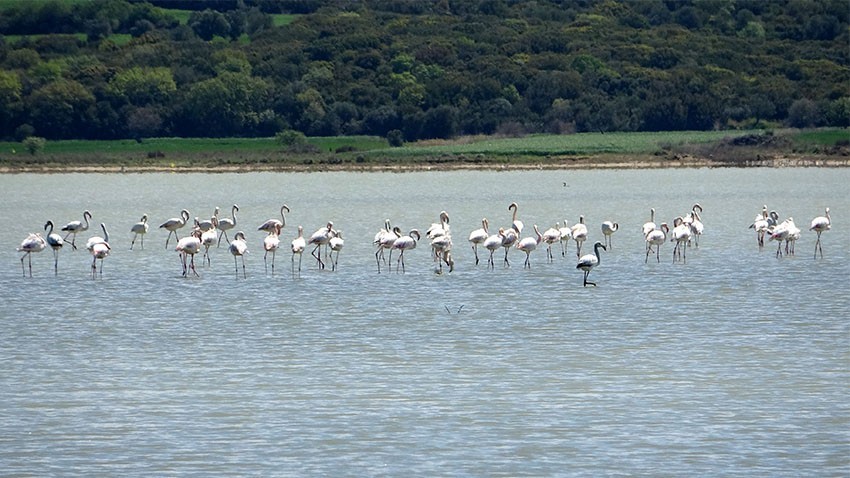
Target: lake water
{"x": 734, "y": 363}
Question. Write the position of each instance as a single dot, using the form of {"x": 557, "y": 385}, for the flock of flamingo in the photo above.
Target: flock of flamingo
{"x": 326, "y": 240}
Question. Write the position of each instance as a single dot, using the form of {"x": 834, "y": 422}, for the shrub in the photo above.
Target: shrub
{"x": 395, "y": 138}
{"x": 34, "y": 144}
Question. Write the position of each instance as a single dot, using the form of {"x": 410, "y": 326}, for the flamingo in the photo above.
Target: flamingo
{"x": 791, "y": 239}
{"x": 270, "y": 244}
{"x": 269, "y": 225}
{"x": 208, "y": 238}
{"x": 529, "y": 244}
{"x": 492, "y": 243}
{"x": 384, "y": 239}
{"x": 478, "y": 236}
{"x": 439, "y": 229}
{"x": 55, "y": 242}
{"x": 227, "y": 223}
{"x": 515, "y": 223}
{"x": 760, "y": 225}
{"x": 588, "y": 261}
{"x": 649, "y": 226}
{"x": 336, "y": 244}
{"x": 442, "y": 247}
{"x": 819, "y": 225}
{"x": 656, "y": 238}
{"x": 565, "y": 238}
{"x": 681, "y": 234}
{"x": 509, "y": 237}
{"x": 139, "y": 229}
{"x": 76, "y": 227}
{"x": 778, "y": 233}
{"x": 608, "y": 229}
{"x": 99, "y": 248}
{"x": 404, "y": 243}
{"x": 34, "y": 242}
{"x": 695, "y": 223}
{"x": 321, "y": 238}
{"x": 297, "y": 246}
{"x": 579, "y": 234}
{"x": 173, "y": 224}
{"x": 551, "y": 236}
{"x": 189, "y": 246}
{"x": 238, "y": 247}
{"x": 205, "y": 225}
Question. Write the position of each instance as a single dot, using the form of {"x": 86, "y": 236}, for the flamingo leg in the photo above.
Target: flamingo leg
{"x": 318, "y": 256}
{"x": 475, "y": 251}
{"x": 192, "y": 266}
{"x": 379, "y": 254}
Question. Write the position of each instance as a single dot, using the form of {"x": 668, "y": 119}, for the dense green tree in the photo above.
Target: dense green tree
{"x": 142, "y": 86}
{"x": 59, "y": 108}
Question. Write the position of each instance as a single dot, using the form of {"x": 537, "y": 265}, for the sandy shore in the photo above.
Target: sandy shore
{"x": 554, "y": 163}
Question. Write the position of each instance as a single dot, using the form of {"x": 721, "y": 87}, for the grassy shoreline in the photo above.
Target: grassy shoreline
{"x": 809, "y": 148}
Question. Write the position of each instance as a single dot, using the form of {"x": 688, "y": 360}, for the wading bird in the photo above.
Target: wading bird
{"x": 270, "y": 224}
{"x": 189, "y": 246}
{"x": 608, "y": 229}
{"x": 55, "y": 242}
{"x": 478, "y": 236}
{"x": 34, "y": 242}
{"x": 405, "y": 243}
{"x": 819, "y": 225}
{"x": 238, "y": 247}
{"x": 99, "y": 248}
{"x": 528, "y": 245}
{"x": 270, "y": 244}
{"x": 579, "y": 234}
{"x": 656, "y": 238}
{"x": 297, "y": 246}
{"x": 173, "y": 224}
{"x": 588, "y": 261}
{"x": 139, "y": 229}
{"x": 321, "y": 238}
{"x": 227, "y": 223}
{"x": 336, "y": 243}
{"x": 76, "y": 227}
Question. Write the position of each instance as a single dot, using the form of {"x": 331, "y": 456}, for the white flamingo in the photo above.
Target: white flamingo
{"x": 760, "y": 225}
{"x": 515, "y": 223}
{"x": 820, "y": 224}
{"x": 336, "y": 243}
{"x": 320, "y": 238}
{"x": 384, "y": 239}
{"x": 656, "y": 238}
{"x": 579, "y": 234}
{"x": 208, "y": 238}
{"x": 588, "y": 261}
{"x": 510, "y": 236}
{"x": 227, "y": 223}
{"x": 551, "y": 236}
{"x": 206, "y": 225}
{"x": 439, "y": 229}
{"x": 139, "y": 229}
{"x": 681, "y": 235}
{"x": 528, "y": 245}
{"x": 791, "y": 239}
{"x": 565, "y": 237}
{"x": 34, "y": 242}
{"x": 99, "y": 248}
{"x": 608, "y": 229}
{"x": 173, "y": 224}
{"x": 492, "y": 243}
{"x": 442, "y": 247}
{"x": 405, "y": 243}
{"x": 238, "y": 248}
{"x": 76, "y": 227}
{"x": 478, "y": 236}
{"x": 55, "y": 242}
{"x": 297, "y": 246}
{"x": 189, "y": 246}
{"x": 649, "y": 226}
{"x": 695, "y": 223}
{"x": 271, "y": 243}
{"x": 270, "y": 224}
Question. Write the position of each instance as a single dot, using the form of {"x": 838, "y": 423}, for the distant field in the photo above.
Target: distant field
{"x": 573, "y": 144}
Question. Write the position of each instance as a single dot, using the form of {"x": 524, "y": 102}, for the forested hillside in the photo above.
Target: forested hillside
{"x": 116, "y": 69}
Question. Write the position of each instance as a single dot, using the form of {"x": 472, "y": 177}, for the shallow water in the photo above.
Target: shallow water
{"x": 733, "y": 363}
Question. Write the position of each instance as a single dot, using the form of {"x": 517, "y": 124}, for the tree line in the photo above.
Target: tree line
{"x": 414, "y": 70}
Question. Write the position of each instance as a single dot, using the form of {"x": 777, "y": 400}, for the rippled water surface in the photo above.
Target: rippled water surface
{"x": 734, "y": 363}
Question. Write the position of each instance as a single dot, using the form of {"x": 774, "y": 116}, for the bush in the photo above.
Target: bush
{"x": 291, "y": 137}
{"x": 395, "y": 138}
{"x": 34, "y": 144}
